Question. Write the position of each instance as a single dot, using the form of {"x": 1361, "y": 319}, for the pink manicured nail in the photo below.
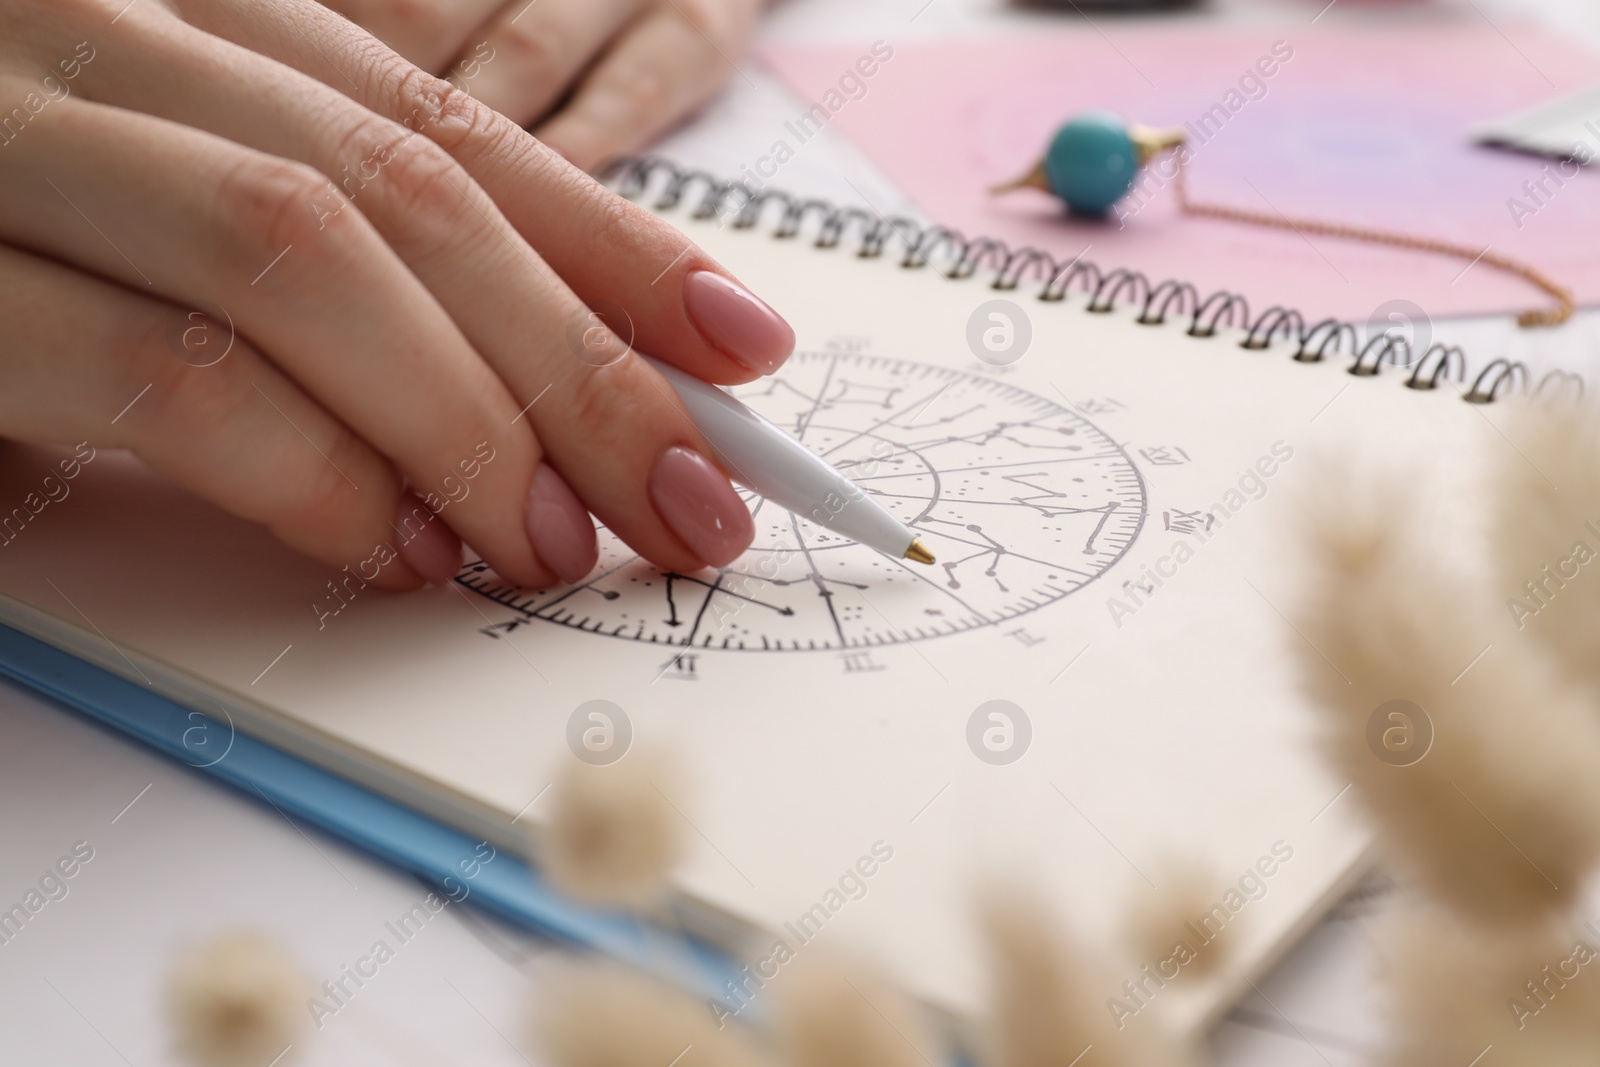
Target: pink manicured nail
{"x": 425, "y": 542}
{"x": 559, "y": 526}
{"x": 696, "y": 501}
{"x": 737, "y": 322}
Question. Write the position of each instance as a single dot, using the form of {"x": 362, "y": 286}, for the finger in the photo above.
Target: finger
{"x": 610, "y": 251}
{"x": 186, "y": 215}
{"x": 531, "y": 52}
{"x": 427, "y": 32}
{"x": 202, "y": 407}
{"x": 562, "y": 528}
{"x": 604, "y": 429}
{"x": 661, "y": 69}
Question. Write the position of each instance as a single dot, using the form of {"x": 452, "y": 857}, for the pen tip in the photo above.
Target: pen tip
{"x": 918, "y": 552}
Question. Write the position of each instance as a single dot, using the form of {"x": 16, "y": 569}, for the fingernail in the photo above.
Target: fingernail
{"x": 695, "y": 500}
{"x": 559, "y": 526}
{"x": 738, "y": 323}
{"x": 427, "y": 545}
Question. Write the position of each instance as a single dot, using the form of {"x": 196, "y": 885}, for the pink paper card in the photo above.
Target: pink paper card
{"x": 1351, "y": 125}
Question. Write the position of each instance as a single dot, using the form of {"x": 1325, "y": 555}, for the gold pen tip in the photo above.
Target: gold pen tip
{"x": 918, "y": 552}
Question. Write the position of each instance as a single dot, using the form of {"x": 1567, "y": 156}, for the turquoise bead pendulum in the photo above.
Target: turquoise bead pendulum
{"x": 1093, "y": 160}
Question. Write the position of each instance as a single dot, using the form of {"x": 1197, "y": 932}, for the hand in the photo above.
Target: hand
{"x": 394, "y": 279}
{"x": 600, "y": 77}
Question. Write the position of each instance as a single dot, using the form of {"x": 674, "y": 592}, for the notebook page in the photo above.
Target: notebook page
{"x": 835, "y": 709}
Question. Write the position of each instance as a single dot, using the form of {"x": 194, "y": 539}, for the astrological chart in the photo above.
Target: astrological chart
{"x": 1022, "y": 500}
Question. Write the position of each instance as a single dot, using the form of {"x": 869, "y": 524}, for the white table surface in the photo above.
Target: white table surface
{"x": 178, "y": 856}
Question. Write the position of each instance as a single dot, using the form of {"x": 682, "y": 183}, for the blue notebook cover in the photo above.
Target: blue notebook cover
{"x": 416, "y": 843}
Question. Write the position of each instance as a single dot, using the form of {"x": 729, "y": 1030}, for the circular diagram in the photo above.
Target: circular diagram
{"x": 1022, "y": 500}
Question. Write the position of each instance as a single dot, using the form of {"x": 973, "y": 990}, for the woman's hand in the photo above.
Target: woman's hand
{"x": 598, "y": 77}
{"x": 396, "y": 351}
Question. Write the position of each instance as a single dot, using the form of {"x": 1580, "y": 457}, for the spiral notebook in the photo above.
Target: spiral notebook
{"x": 1089, "y": 690}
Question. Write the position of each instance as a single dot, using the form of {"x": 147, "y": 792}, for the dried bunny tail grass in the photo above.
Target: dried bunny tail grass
{"x": 1499, "y": 816}
{"x": 1350, "y": 531}
{"x": 834, "y": 1012}
{"x": 1172, "y": 921}
{"x": 613, "y": 836}
{"x": 1453, "y": 990}
{"x": 1052, "y": 1000}
{"x": 237, "y": 1000}
{"x": 1545, "y": 517}
{"x": 599, "y": 1015}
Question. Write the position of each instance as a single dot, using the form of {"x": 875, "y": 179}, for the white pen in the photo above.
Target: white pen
{"x": 779, "y": 468}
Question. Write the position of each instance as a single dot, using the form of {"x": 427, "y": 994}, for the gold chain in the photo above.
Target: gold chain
{"x": 1532, "y": 317}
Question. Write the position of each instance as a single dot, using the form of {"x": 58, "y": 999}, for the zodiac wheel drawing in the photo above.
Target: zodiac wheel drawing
{"x": 1022, "y": 500}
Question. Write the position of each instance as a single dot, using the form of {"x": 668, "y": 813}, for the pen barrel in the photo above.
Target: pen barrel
{"x": 779, "y": 468}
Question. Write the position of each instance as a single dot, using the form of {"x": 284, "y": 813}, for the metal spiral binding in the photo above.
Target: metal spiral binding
{"x": 960, "y": 257}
